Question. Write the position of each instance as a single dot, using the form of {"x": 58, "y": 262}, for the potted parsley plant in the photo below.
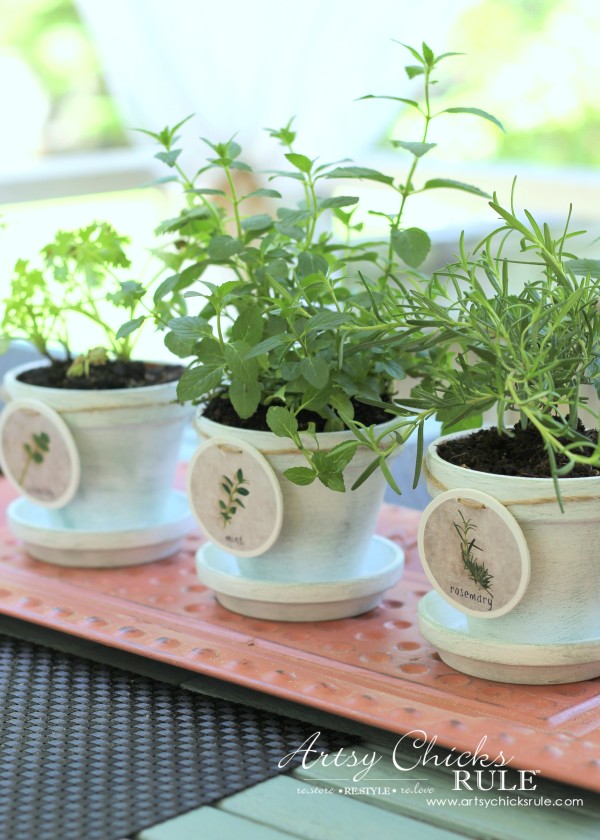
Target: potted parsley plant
{"x": 91, "y": 439}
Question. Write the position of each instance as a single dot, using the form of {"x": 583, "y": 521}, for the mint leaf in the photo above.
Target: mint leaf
{"x": 282, "y": 422}
{"x": 315, "y": 371}
{"x": 222, "y": 248}
{"x": 416, "y": 149}
{"x": 198, "y": 382}
{"x": 301, "y": 162}
{"x": 130, "y": 327}
{"x": 300, "y": 475}
{"x": 245, "y": 397}
{"x": 242, "y": 368}
{"x": 248, "y": 326}
{"x": 363, "y": 173}
{"x": 412, "y": 245}
{"x": 448, "y": 183}
{"x": 477, "y": 112}
{"x": 190, "y": 327}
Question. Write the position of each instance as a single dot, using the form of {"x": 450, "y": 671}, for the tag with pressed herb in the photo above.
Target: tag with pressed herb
{"x": 474, "y": 553}
{"x": 235, "y": 496}
{"x": 38, "y": 453}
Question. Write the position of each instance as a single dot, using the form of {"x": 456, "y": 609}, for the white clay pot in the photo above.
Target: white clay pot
{"x": 127, "y": 440}
{"x": 557, "y": 619}
{"x": 325, "y": 535}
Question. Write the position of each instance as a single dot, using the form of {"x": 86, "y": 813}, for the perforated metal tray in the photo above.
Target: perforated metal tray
{"x": 374, "y": 668}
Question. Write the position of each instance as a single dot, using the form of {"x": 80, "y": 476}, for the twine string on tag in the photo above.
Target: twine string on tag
{"x": 471, "y": 504}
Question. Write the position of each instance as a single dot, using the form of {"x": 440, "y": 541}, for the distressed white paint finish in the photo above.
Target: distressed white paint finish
{"x": 82, "y": 548}
{"x": 561, "y": 606}
{"x": 537, "y": 663}
{"x": 325, "y": 534}
{"x": 296, "y": 601}
{"x": 128, "y": 442}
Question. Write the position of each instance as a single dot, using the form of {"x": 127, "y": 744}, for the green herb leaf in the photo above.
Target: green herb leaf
{"x": 326, "y": 320}
{"x": 341, "y": 455}
{"x": 310, "y": 263}
{"x": 413, "y": 70}
{"x": 130, "y": 327}
{"x": 476, "y": 112}
{"x": 315, "y": 370}
{"x": 337, "y": 201}
{"x": 248, "y": 326}
{"x": 300, "y": 475}
{"x": 166, "y": 287}
{"x": 198, "y": 382}
{"x": 361, "y": 172}
{"x": 262, "y": 221}
{"x": 180, "y": 347}
{"x": 184, "y": 218}
{"x": 454, "y": 420}
{"x": 334, "y": 481}
{"x": 282, "y": 422}
{"x": 584, "y": 267}
{"x": 412, "y": 245}
{"x": 190, "y": 327}
{"x": 301, "y": 162}
{"x": 448, "y": 183}
{"x": 169, "y": 157}
{"x": 416, "y": 149}
{"x": 270, "y": 344}
{"x": 245, "y": 397}
{"x": 263, "y": 193}
{"x": 242, "y": 368}
{"x": 224, "y": 247}
{"x": 206, "y": 191}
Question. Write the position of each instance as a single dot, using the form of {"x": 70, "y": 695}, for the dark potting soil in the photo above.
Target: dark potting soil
{"x": 220, "y": 410}
{"x": 522, "y": 455}
{"x": 103, "y": 377}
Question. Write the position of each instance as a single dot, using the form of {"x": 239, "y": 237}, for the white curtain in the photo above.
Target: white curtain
{"x": 243, "y": 65}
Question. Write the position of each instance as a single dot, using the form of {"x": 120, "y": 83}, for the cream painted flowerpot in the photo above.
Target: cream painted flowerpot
{"x": 127, "y": 441}
{"x": 325, "y": 535}
{"x": 553, "y": 633}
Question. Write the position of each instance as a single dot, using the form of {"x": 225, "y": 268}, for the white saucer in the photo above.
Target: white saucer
{"x": 100, "y": 549}
{"x": 280, "y": 601}
{"x": 446, "y": 629}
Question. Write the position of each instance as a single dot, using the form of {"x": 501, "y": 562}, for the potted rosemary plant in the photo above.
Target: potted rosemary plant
{"x": 509, "y": 541}
{"x": 91, "y": 440}
{"x": 286, "y": 346}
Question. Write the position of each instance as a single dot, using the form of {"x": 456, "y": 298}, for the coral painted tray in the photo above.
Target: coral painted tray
{"x": 374, "y": 668}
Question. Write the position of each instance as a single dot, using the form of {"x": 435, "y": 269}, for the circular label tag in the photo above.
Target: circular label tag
{"x": 474, "y": 553}
{"x": 235, "y": 496}
{"x": 38, "y": 453}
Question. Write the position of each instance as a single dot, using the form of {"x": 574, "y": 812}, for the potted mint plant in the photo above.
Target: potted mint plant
{"x": 91, "y": 440}
{"x": 509, "y": 539}
{"x": 286, "y": 346}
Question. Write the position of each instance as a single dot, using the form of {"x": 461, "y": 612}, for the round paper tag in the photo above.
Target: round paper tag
{"x": 235, "y": 496}
{"x": 474, "y": 553}
{"x": 38, "y": 453}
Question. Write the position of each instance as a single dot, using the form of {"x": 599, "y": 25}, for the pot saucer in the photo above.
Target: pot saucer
{"x": 100, "y": 549}
{"x": 296, "y": 601}
{"x": 446, "y": 628}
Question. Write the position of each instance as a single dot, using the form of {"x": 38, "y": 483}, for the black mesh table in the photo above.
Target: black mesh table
{"x": 88, "y": 750}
